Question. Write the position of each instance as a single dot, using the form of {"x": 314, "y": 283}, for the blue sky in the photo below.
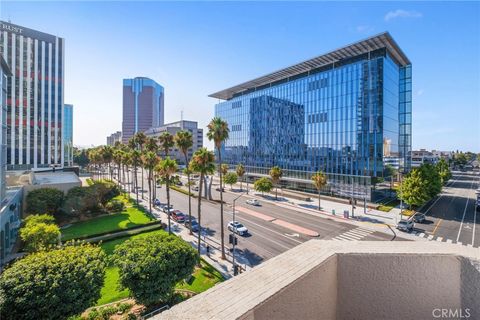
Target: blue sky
{"x": 196, "y": 48}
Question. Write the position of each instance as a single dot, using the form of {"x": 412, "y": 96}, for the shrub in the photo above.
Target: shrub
{"x": 115, "y": 206}
{"x": 39, "y": 218}
{"x": 80, "y": 200}
{"x": 39, "y": 235}
{"x": 105, "y": 191}
{"x": 52, "y": 284}
{"x": 44, "y": 200}
{"x": 150, "y": 266}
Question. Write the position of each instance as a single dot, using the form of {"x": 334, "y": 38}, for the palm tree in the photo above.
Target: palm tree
{"x": 240, "y": 173}
{"x": 320, "y": 181}
{"x": 150, "y": 161}
{"x": 166, "y": 169}
{"x": 132, "y": 145}
{"x": 203, "y": 162}
{"x": 184, "y": 141}
{"x": 276, "y": 174}
{"x": 166, "y": 142}
{"x": 136, "y": 162}
{"x": 140, "y": 139}
{"x": 127, "y": 161}
{"x": 151, "y": 145}
{"x": 107, "y": 154}
{"x": 218, "y": 132}
{"x": 117, "y": 158}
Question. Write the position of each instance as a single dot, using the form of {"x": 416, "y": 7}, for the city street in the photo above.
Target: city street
{"x": 452, "y": 217}
{"x": 273, "y": 229}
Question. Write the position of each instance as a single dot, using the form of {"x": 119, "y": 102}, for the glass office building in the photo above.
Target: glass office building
{"x": 347, "y": 113}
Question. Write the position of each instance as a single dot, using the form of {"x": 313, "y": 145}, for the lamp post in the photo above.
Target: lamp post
{"x": 233, "y": 235}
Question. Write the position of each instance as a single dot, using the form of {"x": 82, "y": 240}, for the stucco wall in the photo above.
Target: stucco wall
{"x": 313, "y": 296}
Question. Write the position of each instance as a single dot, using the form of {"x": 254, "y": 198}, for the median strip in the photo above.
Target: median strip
{"x": 255, "y": 214}
{"x": 295, "y": 227}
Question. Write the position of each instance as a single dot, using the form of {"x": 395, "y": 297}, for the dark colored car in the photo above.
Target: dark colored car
{"x": 419, "y": 217}
{"x": 157, "y": 202}
{"x": 178, "y": 216}
{"x": 195, "y": 225}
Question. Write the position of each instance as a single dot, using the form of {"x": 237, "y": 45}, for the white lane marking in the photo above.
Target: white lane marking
{"x": 345, "y": 236}
{"x": 449, "y": 241}
{"x": 439, "y": 239}
{"x": 464, "y": 211}
{"x": 430, "y": 237}
{"x": 359, "y": 233}
{"x": 421, "y": 234}
{"x": 474, "y": 220}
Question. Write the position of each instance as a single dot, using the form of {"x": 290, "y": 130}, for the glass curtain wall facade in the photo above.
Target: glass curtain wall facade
{"x": 35, "y": 97}
{"x": 344, "y": 119}
{"x": 68, "y": 134}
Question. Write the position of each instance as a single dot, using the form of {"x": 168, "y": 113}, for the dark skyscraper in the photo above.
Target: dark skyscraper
{"x": 142, "y": 106}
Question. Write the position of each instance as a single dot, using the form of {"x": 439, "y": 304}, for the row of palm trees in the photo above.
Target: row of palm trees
{"x": 142, "y": 152}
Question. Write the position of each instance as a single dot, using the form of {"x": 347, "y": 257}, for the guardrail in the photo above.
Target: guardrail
{"x": 155, "y": 312}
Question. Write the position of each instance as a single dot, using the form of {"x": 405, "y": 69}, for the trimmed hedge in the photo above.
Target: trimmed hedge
{"x": 182, "y": 191}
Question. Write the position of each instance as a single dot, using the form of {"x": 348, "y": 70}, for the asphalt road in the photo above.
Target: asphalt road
{"x": 267, "y": 238}
{"x": 452, "y": 217}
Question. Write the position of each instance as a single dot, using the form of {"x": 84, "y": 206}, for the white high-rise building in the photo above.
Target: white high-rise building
{"x": 35, "y": 94}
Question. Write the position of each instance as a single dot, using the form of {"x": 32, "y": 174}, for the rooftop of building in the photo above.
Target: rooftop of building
{"x": 322, "y": 279}
{"x": 380, "y": 41}
{"x": 26, "y": 32}
{"x": 177, "y": 124}
{"x": 23, "y": 178}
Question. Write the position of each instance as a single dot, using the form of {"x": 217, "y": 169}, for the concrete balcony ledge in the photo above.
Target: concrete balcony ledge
{"x": 348, "y": 280}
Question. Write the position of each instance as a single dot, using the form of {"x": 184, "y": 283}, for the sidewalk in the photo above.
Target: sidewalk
{"x": 225, "y": 267}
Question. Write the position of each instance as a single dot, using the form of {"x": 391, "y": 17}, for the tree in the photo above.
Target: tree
{"x": 184, "y": 141}
{"x": 240, "y": 173}
{"x": 39, "y": 236}
{"x": 52, "y": 284}
{"x": 224, "y": 168}
{"x": 414, "y": 189}
{"x": 150, "y": 161}
{"x": 39, "y": 218}
{"x": 151, "y": 266}
{"x": 166, "y": 169}
{"x": 230, "y": 178}
{"x": 460, "y": 159}
{"x": 319, "y": 179}
{"x": 218, "y": 132}
{"x": 276, "y": 173}
{"x": 107, "y": 157}
{"x": 166, "y": 142}
{"x": 203, "y": 163}
{"x": 444, "y": 170}
{"x": 263, "y": 185}
{"x": 44, "y": 200}
{"x": 136, "y": 158}
{"x": 431, "y": 175}
{"x": 80, "y": 157}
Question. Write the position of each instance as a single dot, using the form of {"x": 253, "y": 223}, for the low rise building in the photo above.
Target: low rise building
{"x": 173, "y": 128}
{"x": 113, "y": 138}
{"x": 423, "y": 156}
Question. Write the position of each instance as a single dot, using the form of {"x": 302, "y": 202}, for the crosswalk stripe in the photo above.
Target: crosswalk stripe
{"x": 430, "y": 237}
{"x": 460, "y": 243}
{"x": 363, "y": 230}
{"x": 449, "y": 240}
{"x": 421, "y": 235}
{"x": 363, "y": 234}
{"x": 344, "y": 236}
{"x": 469, "y": 244}
{"x": 439, "y": 239}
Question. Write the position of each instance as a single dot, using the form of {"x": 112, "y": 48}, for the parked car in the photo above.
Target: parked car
{"x": 179, "y": 183}
{"x": 237, "y": 227}
{"x": 157, "y": 203}
{"x": 195, "y": 188}
{"x": 253, "y": 202}
{"x": 419, "y": 217}
{"x": 405, "y": 225}
{"x": 178, "y": 216}
{"x": 166, "y": 208}
{"x": 218, "y": 189}
{"x": 195, "y": 225}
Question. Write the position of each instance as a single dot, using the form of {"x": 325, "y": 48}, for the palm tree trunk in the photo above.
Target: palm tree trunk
{"x": 199, "y": 213}
{"x": 136, "y": 184}
{"x": 168, "y": 205}
{"x": 276, "y": 192}
{"x": 142, "y": 184}
{"x": 150, "y": 190}
{"x": 319, "y": 200}
{"x": 222, "y": 233}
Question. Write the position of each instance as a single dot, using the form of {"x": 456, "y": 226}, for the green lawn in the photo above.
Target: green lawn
{"x": 132, "y": 216}
{"x": 202, "y": 279}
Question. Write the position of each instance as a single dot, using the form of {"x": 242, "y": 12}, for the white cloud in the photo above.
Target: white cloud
{"x": 364, "y": 29}
{"x": 399, "y": 13}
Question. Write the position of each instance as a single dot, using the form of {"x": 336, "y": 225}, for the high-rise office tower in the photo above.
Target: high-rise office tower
{"x": 142, "y": 106}
{"x": 68, "y": 134}
{"x": 347, "y": 113}
{"x": 34, "y": 96}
